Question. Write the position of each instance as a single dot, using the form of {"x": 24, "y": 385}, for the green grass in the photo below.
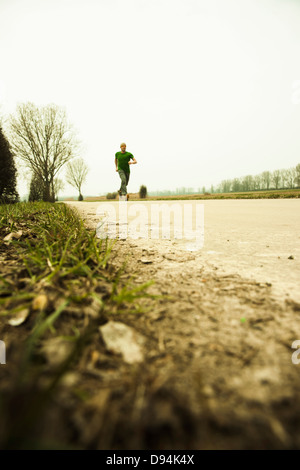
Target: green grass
{"x": 55, "y": 240}
{"x": 56, "y": 255}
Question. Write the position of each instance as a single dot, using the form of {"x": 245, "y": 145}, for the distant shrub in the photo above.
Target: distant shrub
{"x": 111, "y": 195}
{"x": 143, "y": 192}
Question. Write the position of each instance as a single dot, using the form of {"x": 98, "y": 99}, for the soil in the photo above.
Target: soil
{"x": 217, "y": 371}
{"x": 219, "y": 340}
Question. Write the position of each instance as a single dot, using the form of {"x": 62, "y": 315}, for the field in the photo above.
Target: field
{"x": 266, "y": 194}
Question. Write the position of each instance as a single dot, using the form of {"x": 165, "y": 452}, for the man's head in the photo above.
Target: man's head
{"x": 123, "y": 147}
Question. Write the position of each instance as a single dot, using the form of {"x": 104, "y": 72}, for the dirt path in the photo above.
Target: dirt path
{"x": 219, "y": 341}
{"x": 252, "y": 238}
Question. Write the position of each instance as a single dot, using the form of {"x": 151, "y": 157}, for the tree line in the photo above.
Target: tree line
{"x": 278, "y": 179}
{"x": 44, "y": 140}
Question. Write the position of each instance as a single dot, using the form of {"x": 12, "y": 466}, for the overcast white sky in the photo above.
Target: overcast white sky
{"x": 200, "y": 90}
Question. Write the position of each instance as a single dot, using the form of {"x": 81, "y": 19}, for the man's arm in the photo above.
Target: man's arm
{"x": 116, "y": 163}
{"x": 133, "y": 161}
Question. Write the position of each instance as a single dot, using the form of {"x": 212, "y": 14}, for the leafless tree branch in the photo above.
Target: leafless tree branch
{"x": 44, "y": 140}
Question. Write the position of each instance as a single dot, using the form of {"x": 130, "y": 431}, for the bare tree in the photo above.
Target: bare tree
{"x": 257, "y": 180}
{"x": 236, "y": 185}
{"x": 298, "y": 175}
{"x": 266, "y": 179}
{"x": 58, "y": 185}
{"x": 276, "y": 178}
{"x": 44, "y": 140}
{"x": 226, "y": 186}
{"x": 291, "y": 176}
{"x": 76, "y": 175}
{"x": 247, "y": 183}
{"x": 284, "y": 177}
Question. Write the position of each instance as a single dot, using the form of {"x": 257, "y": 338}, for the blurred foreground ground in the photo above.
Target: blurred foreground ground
{"x": 204, "y": 362}
{"x": 219, "y": 344}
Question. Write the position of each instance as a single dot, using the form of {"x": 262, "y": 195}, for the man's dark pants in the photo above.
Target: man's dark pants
{"x": 124, "y": 181}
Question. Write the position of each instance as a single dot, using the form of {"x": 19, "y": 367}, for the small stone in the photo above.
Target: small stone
{"x": 291, "y": 257}
{"x": 208, "y": 391}
{"x": 121, "y": 339}
{"x": 56, "y": 350}
{"x": 70, "y": 379}
{"x": 146, "y": 261}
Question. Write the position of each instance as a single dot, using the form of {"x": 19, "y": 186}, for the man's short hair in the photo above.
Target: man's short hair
{"x": 123, "y": 143}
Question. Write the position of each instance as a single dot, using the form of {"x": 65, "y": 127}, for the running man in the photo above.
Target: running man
{"x": 122, "y": 162}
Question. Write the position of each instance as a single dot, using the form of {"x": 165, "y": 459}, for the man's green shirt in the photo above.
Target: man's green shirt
{"x": 123, "y": 159}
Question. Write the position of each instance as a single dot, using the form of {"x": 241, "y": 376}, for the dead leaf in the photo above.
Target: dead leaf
{"x": 19, "y": 318}
{"x": 50, "y": 264}
{"x": 40, "y": 302}
{"x": 94, "y": 357}
{"x": 11, "y": 235}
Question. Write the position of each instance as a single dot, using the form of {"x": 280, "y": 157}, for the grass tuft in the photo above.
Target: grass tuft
{"x": 50, "y": 252}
